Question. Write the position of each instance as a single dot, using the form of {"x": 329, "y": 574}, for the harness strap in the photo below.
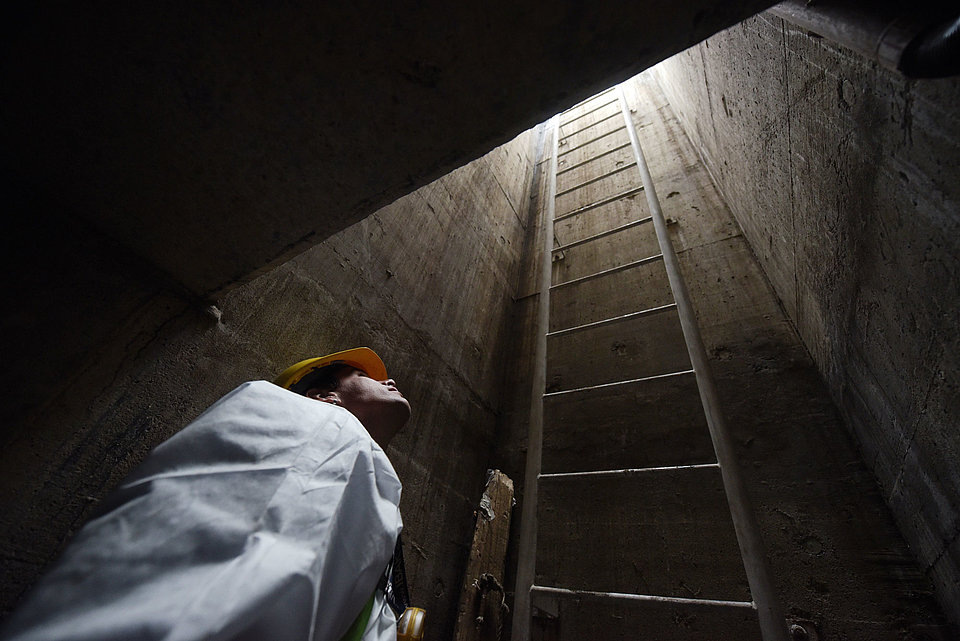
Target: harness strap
{"x": 394, "y": 586}
{"x": 395, "y": 582}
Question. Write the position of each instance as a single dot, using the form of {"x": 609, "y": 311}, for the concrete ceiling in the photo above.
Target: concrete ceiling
{"x": 214, "y": 140}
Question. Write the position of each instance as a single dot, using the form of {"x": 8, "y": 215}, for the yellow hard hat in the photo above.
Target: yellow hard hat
{"x": 363, "y": 358}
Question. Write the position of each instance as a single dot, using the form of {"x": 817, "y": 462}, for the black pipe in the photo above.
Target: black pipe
{"x": 920, "y": 43}
{"x": 935, "y": 53}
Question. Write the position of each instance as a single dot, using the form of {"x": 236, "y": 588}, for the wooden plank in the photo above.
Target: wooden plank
{"x": 482, "y": 610}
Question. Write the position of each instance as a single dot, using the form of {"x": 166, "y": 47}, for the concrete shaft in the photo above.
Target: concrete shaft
{"x": 840, "y": 565}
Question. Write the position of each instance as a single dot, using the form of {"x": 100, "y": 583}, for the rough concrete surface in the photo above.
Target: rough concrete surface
{"x": 667, "y": 534}
{"x": 839, "y": 562}
{"x": 847, "y": 186}
{"x": 112, "y": 350}
{"x": 426, "y": 281}
{"x": 187, "y": 149}
{"x": 578, "y": 620}
{"x": 248, "y": 132}
{"x": 657, "y": 424}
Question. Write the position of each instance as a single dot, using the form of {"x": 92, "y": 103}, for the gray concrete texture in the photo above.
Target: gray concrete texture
{"x": 189, "y": 149}
{"x": 671, "y": 530}
{"x": 154, "y": 168}
{"x": 635, "y": 348}
{"x": 643, "y": 287}
{"x": 656, "y": 424}
{"x": 839, "y": 562}
{"x": 578, "y": 620}
{"x": 252, "y": 131}
{"x": 426, "y": 281}
{"x": 846, "y": 180}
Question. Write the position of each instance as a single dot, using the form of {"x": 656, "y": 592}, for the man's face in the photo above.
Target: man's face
{"x": 378, "y": 405}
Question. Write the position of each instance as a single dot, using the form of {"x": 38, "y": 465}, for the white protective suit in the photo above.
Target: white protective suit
{"x": 271, "y": 517}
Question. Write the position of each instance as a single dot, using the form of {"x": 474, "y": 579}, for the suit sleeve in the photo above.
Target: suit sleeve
{"x": 271, "y": 516}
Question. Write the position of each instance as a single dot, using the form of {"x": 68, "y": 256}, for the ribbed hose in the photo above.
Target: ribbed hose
{"x": 935, "y": 53}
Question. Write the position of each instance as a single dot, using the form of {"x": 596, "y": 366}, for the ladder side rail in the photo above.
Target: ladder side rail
{"x": 526, "y": 564}
{"x": 773, "y": 625}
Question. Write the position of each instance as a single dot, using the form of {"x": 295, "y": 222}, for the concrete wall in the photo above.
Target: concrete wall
{"x": 839, "y": 562}
{"x": 426, "y": 281}
{"x": 216, "y": 143}
{"x": 845, "y": 178}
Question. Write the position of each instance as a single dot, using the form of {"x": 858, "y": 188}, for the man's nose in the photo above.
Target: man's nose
{"x": 389, "y": 382}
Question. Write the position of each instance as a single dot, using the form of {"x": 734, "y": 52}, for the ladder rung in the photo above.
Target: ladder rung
{"x": 599, "y": 203}
{"x": 593, "y": 124}
{"x": 583, "y": 102}
{"x": 607, "y": 272}
{"x": 629, "y": 471}
{"x": 607, "y": 321}
{"x": 593, "y": 180}
{"x": 589, "y": 160}
{"x": 614, "y": 384}
{"x": 587, "y": 113}
{"x": 592, "y": 140}
{"x": 603, "y": 234}
{"x": 620, "y": 596}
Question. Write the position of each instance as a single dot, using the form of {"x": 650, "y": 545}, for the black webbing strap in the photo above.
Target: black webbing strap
{"x": 395, "y": 582}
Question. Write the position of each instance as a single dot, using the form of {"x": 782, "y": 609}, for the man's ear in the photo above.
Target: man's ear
{"x": 320, "y": 394}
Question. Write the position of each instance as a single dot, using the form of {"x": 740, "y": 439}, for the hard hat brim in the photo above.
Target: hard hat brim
{"x": 363, "y": 358}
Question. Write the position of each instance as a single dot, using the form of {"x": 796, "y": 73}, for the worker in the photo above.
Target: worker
{"x": 274, "y": 515}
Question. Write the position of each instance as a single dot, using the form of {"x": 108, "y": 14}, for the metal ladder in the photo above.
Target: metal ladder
{"x": 769, "y": 614}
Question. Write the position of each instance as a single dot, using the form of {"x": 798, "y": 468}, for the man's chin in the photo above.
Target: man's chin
{"x": 403, "y": 412}
{"x": 394, "y": 420}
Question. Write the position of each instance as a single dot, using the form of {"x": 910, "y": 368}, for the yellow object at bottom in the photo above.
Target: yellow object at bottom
{"x": 410, "y": 627}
